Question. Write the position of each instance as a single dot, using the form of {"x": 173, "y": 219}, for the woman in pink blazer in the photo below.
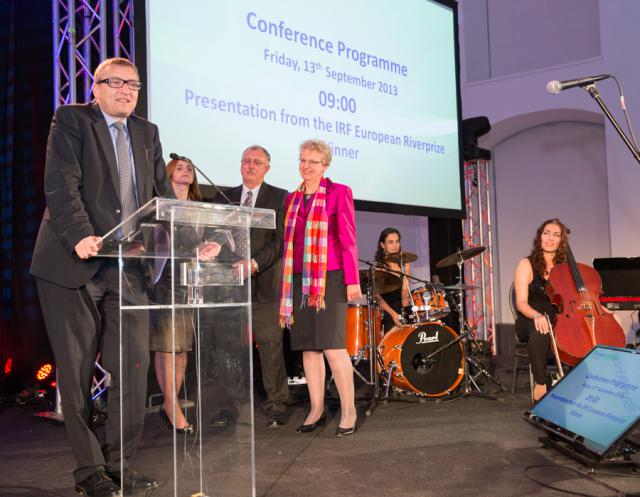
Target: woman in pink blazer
{"x": 320, "y": 275}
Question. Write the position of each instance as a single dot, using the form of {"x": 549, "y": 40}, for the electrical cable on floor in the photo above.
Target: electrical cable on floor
{"x": 635, "y": 474}
{"x": 617, "y": 493}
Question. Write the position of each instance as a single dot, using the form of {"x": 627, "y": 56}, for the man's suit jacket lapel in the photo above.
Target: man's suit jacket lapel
{"x": 263, "y": 196}
{"x": 106, "y": 144}
{"x": 144, "y": 180}
{"x": 234, "y": 194}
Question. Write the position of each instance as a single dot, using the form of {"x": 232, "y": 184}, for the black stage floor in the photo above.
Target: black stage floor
{"x": 467, "y": 447}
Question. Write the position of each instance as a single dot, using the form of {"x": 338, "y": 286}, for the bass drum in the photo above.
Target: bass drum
{"x": 403, "y": 354}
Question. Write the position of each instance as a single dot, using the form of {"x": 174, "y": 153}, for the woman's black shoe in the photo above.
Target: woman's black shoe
{"x": 187, "y": 430}
{"x": 312, "y": 426}
{"x": 343, "y": 432}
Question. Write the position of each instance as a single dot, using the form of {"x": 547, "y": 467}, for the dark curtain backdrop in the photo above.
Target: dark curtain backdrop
{"x": 26, "y": 107}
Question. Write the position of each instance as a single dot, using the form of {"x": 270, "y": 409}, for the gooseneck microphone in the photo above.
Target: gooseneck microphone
{"x": 175, "y": 156}
{"x": 555, "y": 87}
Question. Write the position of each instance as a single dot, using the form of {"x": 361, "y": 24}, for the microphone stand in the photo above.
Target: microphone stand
{"x": 401, "y": 274}
{"x": 372, "y": 345}
{"x": 212, "y": 184}
{"x": 405, "y": 281}
{"x": 593, "y": 91}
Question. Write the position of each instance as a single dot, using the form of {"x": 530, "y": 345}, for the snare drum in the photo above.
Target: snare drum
{"x": 358, "y": 331}
{"x": 429, "y": 304}
{"x": 404, "y": 352}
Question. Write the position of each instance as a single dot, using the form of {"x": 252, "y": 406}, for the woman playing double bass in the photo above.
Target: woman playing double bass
{"x": 550, "y": 247}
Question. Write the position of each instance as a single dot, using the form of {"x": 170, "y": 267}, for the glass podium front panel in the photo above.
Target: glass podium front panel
{"x": 184, "y": 291}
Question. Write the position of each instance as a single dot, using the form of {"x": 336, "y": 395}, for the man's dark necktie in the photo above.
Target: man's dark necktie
{"x": 248, "y": 201}
{"x": 127, "y": 191}
{"x": 241, "y": 240}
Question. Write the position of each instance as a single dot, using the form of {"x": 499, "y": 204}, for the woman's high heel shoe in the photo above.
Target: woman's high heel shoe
{"x": 187, "y": 430}
{"x": 308, "y": 428}
{"x": 343, "y": 432}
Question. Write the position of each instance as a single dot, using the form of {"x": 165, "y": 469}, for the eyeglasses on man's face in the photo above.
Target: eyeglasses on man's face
{"x": 256, "y": 162}
{"x": 132, "y": 84}
{"x": 310, "y": 162}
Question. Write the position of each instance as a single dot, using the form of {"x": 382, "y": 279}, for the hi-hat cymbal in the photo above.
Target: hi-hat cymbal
{"x": 460, "y": 287}
{"x": 383, "y": 281}
{"x": 452, "y": 259}
{"x": 407, "y": 257}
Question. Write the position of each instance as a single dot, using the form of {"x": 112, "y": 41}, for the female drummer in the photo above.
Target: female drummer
{"x": 391, "y": 302}
{"x": 550, "y": 247}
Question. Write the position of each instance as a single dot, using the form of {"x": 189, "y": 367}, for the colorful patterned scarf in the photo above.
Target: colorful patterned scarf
{"x": 314, "y": 265}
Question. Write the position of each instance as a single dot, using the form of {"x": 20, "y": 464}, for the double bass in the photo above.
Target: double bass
{"x": 582, "y": 322}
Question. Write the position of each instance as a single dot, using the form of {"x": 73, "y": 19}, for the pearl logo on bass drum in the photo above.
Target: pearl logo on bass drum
{"x": 423, "y": 338}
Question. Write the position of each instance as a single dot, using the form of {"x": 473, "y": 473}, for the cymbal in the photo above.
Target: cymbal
{"x": 407, "y": 257}
{"x": 460, "y": 287}
{"x": 383, "y": 281}
{"x": 452, "y": 259}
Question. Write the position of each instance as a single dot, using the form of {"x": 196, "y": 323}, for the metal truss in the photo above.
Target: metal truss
{"x": 123, "y": 32}
{"x": 477, "y": 231}
{"x": 80, "y": 29}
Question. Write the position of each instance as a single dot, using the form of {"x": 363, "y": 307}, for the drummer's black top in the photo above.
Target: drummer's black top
{"x": 394, "y": 299}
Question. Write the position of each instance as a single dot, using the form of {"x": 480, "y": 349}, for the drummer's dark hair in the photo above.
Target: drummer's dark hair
{"x": 379, "y": 257}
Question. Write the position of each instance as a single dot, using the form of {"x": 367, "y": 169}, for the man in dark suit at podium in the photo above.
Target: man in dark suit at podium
{"x": 265, "y": 268}
{"x": 102, "y": 164}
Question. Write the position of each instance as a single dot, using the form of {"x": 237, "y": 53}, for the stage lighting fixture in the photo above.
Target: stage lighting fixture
{"x": 472, "y": 129}
{"x": 44, "y": 372}
{"x": 8, "y": 366}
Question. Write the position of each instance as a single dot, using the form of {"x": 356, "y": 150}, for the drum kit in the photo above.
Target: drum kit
{"x": 423, "y": 356}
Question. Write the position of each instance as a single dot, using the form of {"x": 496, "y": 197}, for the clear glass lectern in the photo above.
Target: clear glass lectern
{"x": 198, "y": 308}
